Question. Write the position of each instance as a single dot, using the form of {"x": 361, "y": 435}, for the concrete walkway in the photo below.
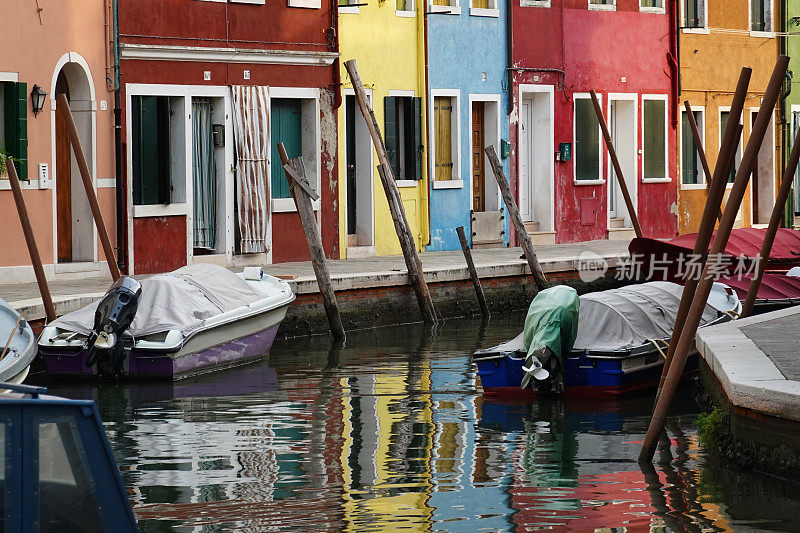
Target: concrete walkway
{"x": 346, "y": 274}
{"x": 756, "y": 361}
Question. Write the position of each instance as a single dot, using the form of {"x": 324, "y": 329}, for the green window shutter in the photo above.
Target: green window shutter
{"x": 286, "y": 128}
{"x": 16, "y": 125}
{"x": 418, "y": 146}
{"x": 390, "y": 119}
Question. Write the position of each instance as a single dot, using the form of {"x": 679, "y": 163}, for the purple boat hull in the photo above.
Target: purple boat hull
{"x": 164, "y": 365}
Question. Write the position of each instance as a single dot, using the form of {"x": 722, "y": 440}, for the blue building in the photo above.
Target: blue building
{"x": 468, "y": 110}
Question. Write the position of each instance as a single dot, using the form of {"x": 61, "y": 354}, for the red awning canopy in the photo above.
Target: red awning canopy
{"x": 774, "y": 286}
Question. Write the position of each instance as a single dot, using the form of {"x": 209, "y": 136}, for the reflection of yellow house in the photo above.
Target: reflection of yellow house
{"x": 386, "y": 453}
{"x": 718, "y": 38}
{"x": 386, "y": 39}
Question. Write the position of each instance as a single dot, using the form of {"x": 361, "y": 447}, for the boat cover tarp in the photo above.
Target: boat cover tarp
{"x": 742, "y": 242}
{"x": 179, "y": 300}
{"x": 630, "y": 316}
{"x": 774, "y": 286}
{"x": 552, "y": 320}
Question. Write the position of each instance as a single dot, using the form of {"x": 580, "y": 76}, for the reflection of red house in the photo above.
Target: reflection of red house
{"x": 180, "y": 64}
{"x": 562, "y": 49}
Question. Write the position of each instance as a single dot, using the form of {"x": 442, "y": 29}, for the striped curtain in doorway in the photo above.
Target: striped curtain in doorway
{"x": 205, "y": 179}
{"x": 251, "y": 126}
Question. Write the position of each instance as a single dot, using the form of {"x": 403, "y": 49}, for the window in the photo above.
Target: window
{"x": 723, "y": 123}
{"x": 310, "y": 4}
{"x": 445, "y": 138}
{"x": 403, "y": 116}
{"x": 534, "y": 3}
{"x": 652, "y": 6}
{"x": 294, "y": 121}
{"x": 159, "y": 155}
{"x": 603, "y": 4}
{"x": 760, "y": 15}
{"x": 587, "y": 141}
{"x": 404, "y": 7}
{"x": 484, "y": 8}
{"x": 446, "y": 6}
{"x": 654, "y": 139}
{"x": 691, "y": 169}
{"x": 694, "y": 13}
{"x": 349, "y": 6}
{"x": 14, "y": 126}
{"x": 796, "y": 186}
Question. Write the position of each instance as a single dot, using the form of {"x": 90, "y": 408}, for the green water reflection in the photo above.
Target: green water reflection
{"x": 389, "y": 433}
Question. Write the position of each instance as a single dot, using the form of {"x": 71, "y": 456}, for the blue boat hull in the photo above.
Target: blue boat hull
{"x": 583, "y": 376}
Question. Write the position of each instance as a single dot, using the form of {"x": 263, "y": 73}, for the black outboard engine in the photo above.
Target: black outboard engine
{"x": 114, "y": 315}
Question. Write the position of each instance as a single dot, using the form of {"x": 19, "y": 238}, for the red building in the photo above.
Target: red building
{"x": 208, "y": 89}
{"x": 560, "y": 50}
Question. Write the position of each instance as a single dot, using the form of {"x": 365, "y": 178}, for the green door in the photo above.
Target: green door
{"x": 286, "y": 128}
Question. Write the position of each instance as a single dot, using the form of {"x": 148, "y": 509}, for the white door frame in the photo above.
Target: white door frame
{"x": 631, "y": 181}
{"x": 769, "y": 136}
{"x": 351, "y": 92}
{"x": 493, "y": 141}
{"x": 549, "y": 90}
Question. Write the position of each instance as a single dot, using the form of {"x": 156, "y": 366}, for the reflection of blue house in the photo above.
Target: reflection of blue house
{"x": 469, "y": 464}
{"x": 467, "y": 59}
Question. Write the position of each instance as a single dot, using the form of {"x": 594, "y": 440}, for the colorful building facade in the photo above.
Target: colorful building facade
{"x": 468, "y": 110}
{"x": 387, "y": 41}
{"x": 622, "y": 49}
{"x": 791, "y": 109}
{"x": 208, "y": 90}
{"x": 58, "y": 50}
{"x": 717, "y": 39}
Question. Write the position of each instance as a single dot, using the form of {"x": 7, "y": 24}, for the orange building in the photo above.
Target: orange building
{"x": 716, "y": 39}
{"x": 57, "y": 48}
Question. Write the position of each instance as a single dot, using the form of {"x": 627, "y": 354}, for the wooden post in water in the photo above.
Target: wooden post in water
{"x": 30, "y": 240}
{"x": 516, "y": 219}
{"x": 404, "y": 235}
{"x": 730, "y": 141}
{"x": 623, "y": 187}
{"x": 62, "y": 106}
{"x": 717, "y": 247}
{"x": 772, "y": 229}
{"x": 701, "y": 153}
{"x": 476, "y": 282}
{"x": 303, "y": 194}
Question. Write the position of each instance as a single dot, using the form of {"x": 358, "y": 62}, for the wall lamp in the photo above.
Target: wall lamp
{"x": 37, "y": 99}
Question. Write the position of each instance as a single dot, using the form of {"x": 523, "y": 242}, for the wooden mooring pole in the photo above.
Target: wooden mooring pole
{"x": 404, "y": 235}
{"x": 730, "y": 141}
{"x": 62, "y": 106}
{"x": 772, "y": 229}
{"x": 701, "y": 153}
{"x": 717, "y": 247}
{"x": 516, "y": 219}
{"x": 623, "y": 187}
{"x": 303, "y": 195}
{"x": 30, "y": 240}
{"x": 476, "y": 281}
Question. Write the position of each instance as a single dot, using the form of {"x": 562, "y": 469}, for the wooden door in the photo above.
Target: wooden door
{"x": 478, "y": 160}
{"x": 63, "y": 191}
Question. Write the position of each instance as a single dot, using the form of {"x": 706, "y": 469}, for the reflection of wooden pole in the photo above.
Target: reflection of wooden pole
{"x": 404, "y": 235}
{"x": 623, "y": 187}
{"x": 701, "y": 153}
{"x": 295, "y": 175}
{"x": 519, "y": 226}
{"x": 717, "y": 247}
{"x": 62, "y": 106}
{"x": 476, "y": 281}
{"x": 730, "y": 141}
{"x": 772, "y": 229}
{"x": 30, "y": 240}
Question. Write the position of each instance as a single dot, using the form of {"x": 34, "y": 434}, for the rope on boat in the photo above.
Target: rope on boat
{"x": 659, "y": 348}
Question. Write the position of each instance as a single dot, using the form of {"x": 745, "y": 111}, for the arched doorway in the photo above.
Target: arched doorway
{"x": 75, "y": 241}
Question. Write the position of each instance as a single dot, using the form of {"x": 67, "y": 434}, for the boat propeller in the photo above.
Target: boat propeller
{"x": 113, "y": 316}
{"x": 533, "y": 368}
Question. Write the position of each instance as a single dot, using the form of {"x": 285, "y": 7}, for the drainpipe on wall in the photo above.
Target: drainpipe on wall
{"x": 333, "y": 44}
{"x": 122, "y": 215}
{"x": 788, "y": 219}
{"x": 429, "y": 185}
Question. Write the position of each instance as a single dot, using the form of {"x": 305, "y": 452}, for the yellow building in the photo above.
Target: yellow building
{"x": 717, "y": 38}
{"x": 386, "y": 38}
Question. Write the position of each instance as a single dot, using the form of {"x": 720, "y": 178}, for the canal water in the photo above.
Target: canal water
{"x": 390, "y": 433}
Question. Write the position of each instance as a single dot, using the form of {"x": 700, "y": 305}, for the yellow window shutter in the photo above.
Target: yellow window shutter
{"x": 480, "y": 4}
{"x": 443, "y": 111}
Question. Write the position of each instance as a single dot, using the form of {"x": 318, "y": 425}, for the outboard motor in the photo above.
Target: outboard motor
{"x": 114, "y": 315}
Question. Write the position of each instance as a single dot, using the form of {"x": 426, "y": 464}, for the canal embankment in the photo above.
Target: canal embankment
{"x": 375, "y": 291}
{"x": 751, "y": 371}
